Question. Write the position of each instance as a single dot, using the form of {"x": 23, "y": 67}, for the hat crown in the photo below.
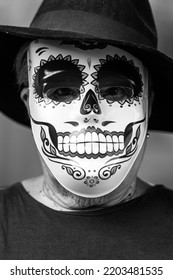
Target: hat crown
{"x": 133, "y": 14}
{"x": 126, "y": 24}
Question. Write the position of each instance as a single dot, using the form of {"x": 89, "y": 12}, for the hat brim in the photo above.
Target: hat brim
{"x": 160, "y": 67}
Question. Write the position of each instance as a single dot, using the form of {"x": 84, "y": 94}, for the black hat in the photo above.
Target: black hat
{"x": 127, "y": 24}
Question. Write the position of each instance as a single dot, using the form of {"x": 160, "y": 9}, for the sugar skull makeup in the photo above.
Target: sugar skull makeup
{"x": 89, "y": 113}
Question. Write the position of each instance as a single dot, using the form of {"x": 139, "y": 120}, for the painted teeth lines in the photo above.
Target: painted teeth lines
{"x": 90, "y": 143}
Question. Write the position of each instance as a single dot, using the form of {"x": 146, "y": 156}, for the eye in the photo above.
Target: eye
{"x": 65, "y": 94}
{"x": 117, "y": 93}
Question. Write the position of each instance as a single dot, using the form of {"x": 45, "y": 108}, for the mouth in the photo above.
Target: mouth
{"x": 90, "y": 143}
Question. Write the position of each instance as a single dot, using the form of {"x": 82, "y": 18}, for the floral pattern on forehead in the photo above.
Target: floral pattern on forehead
{"x": 58, "y": 71}
{"x": 118, "y": 65}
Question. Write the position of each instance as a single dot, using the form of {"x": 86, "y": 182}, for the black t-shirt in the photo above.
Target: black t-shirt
{"x": 139, "y": 229}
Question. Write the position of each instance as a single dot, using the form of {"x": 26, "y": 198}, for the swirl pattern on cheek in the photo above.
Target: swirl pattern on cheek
{"x": 79, "y": 173}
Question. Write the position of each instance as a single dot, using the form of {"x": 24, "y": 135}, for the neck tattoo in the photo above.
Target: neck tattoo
{"x": 56, "y": 204}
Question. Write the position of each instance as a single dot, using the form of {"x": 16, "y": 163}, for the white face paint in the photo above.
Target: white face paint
{"x": 89, "y": 113}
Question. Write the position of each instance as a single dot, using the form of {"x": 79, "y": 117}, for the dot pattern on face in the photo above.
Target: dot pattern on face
{"x": 59, "y": 79}
{"x": 119, "y": 79}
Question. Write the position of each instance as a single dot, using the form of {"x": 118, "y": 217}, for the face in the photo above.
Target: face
{"x": 89, "y": 113}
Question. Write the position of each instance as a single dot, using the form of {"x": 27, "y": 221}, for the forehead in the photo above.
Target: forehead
{"x": 43, "y": 49}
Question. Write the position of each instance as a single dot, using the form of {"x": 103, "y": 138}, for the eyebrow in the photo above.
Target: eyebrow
{"x": 51, "y": 73}
{"x": 41, "y": 50}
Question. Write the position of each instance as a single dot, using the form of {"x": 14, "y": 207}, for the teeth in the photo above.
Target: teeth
{"x": 109, "y": 143}
{"x": 115, "y": 141}
{"x": 102, "y": 140}
{"x": 80, "y": 145}
{"x": 121, "y": 142}
{"x": 90, "y": 143}
{"x": 95, "y": 144}
{"x": 60, "y": 140}
{"x": 73, "y": 146}
{"x": 66, "y": 143}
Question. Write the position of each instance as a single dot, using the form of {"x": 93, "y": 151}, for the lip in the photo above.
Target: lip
{"x": 90, "y": 143}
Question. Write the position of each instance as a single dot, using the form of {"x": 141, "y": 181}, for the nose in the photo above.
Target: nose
{"x": 90, "y": 104}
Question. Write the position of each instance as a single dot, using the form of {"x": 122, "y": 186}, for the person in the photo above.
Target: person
{"x": 83, "y": 77}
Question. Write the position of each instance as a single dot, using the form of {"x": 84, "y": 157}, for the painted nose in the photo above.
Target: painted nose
{"x": 90, "y": 104}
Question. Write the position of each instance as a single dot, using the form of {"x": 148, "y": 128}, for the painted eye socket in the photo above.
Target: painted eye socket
{"x": 65, "y": 94}
{"x": 117, "y": 93}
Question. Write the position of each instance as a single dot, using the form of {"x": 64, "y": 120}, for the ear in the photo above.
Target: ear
{"x": 24, "y": 95}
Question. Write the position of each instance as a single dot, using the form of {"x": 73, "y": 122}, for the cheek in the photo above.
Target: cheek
{"x": 55, "y": 114}
{"x": 135, "y": 167}
{"x": 122, "y": 115}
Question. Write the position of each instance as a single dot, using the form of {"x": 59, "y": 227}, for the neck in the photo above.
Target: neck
{"x": 48, "y": 191}
{"x": 57, "y": 198}
{"x": 61, "y": 199}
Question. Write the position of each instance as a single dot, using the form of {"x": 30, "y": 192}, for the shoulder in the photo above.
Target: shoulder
{"x": 8, "y": 196}
{"x": 163, "y": 190}
{"x": 153, "y": 191}
{"x": 161, "y": 197}
{"x": 6, "y": 190}
{"x": 10, "y": 191}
